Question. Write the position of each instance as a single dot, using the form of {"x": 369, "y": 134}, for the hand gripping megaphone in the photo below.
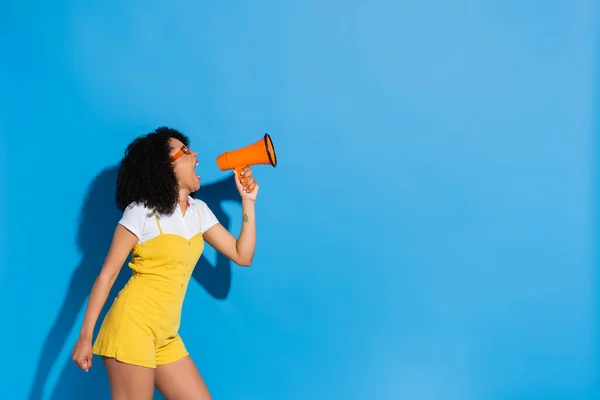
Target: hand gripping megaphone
{"x": 259, "y": 152}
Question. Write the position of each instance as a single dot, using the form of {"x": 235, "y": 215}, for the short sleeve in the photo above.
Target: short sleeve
{"x": 134, "y": 218}
{"x": 208, "y": 218}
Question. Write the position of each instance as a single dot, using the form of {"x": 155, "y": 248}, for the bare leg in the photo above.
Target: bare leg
{"x": 129, "y": 382}
{"x": 181, "y": 380}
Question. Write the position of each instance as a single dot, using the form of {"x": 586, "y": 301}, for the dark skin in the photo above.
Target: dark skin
{"x": 180, "y": 379}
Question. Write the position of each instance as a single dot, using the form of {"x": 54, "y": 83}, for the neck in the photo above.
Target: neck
{"x": 183, "y": 198}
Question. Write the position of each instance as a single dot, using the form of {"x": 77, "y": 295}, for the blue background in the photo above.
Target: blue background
{"x": 429, "y": 232}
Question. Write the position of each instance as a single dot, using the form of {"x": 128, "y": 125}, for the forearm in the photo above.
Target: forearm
{"x": 98, "y": 296}
{"x": 246, "y": 242}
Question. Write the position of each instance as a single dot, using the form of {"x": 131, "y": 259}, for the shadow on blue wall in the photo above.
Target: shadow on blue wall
{"x": 99, "y": 217}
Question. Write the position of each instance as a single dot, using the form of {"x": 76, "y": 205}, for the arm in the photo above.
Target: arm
{"x": 241, "y": 250}
{"x": 122, "y": 243}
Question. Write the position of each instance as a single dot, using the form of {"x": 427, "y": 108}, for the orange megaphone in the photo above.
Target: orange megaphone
{"x": 260, "y": 152}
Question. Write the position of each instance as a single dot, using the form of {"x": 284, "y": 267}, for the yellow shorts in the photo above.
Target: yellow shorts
{"x": 141, "y": 328}
{"x": 133, "y": 349}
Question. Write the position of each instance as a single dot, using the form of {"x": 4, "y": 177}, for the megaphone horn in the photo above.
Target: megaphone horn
{"x": 259, "y": 152}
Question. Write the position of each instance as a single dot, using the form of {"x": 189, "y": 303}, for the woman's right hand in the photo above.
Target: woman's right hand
{"x": 82, "y": 353}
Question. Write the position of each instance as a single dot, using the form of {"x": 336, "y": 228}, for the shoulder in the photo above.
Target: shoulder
{"x": 203, "y": 207}
{"x": 200, "y": 204}
{"x": 137, "y": 208}
{"x": 137, "y": 212}
{"x": 134, "y": 218}
{"x": 208, "y": 218}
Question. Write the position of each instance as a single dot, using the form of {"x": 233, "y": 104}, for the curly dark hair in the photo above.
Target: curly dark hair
{"x": 146, "y": 174}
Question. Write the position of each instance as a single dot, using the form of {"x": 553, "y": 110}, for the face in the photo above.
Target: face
{"x": 185, "y": 165}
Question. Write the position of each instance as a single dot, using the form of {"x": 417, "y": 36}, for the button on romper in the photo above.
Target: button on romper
{"x": 142, "y": 324}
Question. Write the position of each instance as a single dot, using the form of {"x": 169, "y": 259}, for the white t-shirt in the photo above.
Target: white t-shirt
{"x": 141, "y": 222}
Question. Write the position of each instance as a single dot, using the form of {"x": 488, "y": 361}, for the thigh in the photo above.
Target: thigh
{"x": 181, "y": 380}
{"x": 128, "y": 381}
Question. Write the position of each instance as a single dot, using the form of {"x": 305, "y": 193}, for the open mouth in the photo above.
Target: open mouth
{"x": 195, "y": 165}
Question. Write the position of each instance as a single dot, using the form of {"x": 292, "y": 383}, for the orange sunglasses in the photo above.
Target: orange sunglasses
{"x": 184, "y": 150}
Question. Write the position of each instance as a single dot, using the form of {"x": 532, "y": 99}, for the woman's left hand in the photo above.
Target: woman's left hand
{"x": 251, "y": 183}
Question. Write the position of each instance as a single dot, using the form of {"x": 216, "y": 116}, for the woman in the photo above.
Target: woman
{"x": 165, "y": 228}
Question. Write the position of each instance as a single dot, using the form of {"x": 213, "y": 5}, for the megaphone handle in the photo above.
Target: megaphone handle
{"x": 243, "y": 181}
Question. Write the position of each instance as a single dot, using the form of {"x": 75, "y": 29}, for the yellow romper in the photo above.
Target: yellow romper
{"x": 142, "y": 324}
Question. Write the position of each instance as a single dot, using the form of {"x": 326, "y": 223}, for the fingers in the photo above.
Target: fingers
{"x": 245, "y": 174}
{"x": 83, "y": 362}
{"x": 247, "y": 182}
{"x": 250, "y": 186}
